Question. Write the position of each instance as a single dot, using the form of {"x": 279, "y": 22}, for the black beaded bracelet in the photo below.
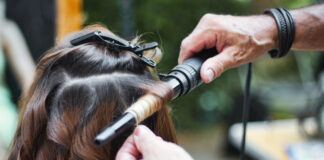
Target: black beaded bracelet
{"x": 286, "y": 31}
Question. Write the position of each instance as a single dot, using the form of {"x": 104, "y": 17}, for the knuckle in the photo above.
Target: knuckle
{"x": 210, "y": 40}
{"x": 184, "y": 47}
{"x": 184, "y": 43}
{"x": 207, "y": 17}
{"x": 208, "y": 31}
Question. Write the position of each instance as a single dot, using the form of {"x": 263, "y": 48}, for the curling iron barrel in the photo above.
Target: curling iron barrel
{"x": 182, "y": 79}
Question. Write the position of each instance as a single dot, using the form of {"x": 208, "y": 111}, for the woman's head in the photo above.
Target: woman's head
{"x": 77, "y": 91}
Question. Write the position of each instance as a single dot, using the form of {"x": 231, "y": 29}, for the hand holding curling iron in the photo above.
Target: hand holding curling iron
{"x": 143, "y": 144}
{"x": 238, "y": 40}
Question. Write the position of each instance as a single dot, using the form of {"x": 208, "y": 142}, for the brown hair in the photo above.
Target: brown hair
{"x": 77, "y": 91}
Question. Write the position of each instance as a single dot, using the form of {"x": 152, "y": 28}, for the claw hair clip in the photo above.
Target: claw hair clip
{"x": 117, "y": 44}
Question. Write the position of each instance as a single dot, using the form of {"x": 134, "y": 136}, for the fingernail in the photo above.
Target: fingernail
{"x": 209, "y": 73}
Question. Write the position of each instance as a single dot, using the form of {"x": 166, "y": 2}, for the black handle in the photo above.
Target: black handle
{"x": 185, "y": 77}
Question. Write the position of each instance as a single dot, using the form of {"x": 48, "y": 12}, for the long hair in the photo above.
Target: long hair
{"x": 77, "y": 91}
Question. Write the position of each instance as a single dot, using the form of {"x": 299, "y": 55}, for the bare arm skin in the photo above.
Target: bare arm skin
{"x": 309, "y": 28}
{"x": 243, "y": 39}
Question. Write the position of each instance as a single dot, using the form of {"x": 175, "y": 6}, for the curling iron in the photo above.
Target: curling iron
{"x": 182, "y": 79}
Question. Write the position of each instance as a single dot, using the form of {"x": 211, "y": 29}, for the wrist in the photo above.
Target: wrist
{"x": 267, "y": 32}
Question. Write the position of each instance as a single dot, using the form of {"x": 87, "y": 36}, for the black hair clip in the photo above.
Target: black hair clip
{"x": 117, "y": 44}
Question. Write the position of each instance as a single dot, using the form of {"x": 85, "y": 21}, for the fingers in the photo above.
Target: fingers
{"x": 189, "y": 47}
{"x": 198, "y": 40}
{"x": 142, "y": 142}
{"x": 128, "y": 150}
{"x": 146, "y": 140}
{"x": 215, "y": 66}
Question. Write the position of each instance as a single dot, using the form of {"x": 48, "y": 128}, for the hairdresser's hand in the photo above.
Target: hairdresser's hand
{"x": 239, "y": 40}
{"x": 143, "y": 144}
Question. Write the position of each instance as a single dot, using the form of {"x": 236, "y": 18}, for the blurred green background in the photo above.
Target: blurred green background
{"x": 281, "y": 88}
{"x": 169, "y": 21}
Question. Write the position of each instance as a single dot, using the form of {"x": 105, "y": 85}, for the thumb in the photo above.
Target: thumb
{"x": 128, "y": 150}
{"x": 146, "y": 141}
{"x": 215, "y": 66}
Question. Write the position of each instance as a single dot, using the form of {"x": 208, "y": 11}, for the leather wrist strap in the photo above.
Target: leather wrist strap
{"x": 286, "y": 31}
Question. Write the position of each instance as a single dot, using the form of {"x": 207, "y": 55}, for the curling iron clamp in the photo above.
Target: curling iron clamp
{"x": 182, "y": 79}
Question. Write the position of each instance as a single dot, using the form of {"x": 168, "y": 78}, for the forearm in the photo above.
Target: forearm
{"x": 309, "y": 24}
{"x": 243, "y": 39}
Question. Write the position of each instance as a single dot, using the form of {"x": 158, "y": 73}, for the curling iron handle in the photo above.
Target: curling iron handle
{"x": 186, "y": 76}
